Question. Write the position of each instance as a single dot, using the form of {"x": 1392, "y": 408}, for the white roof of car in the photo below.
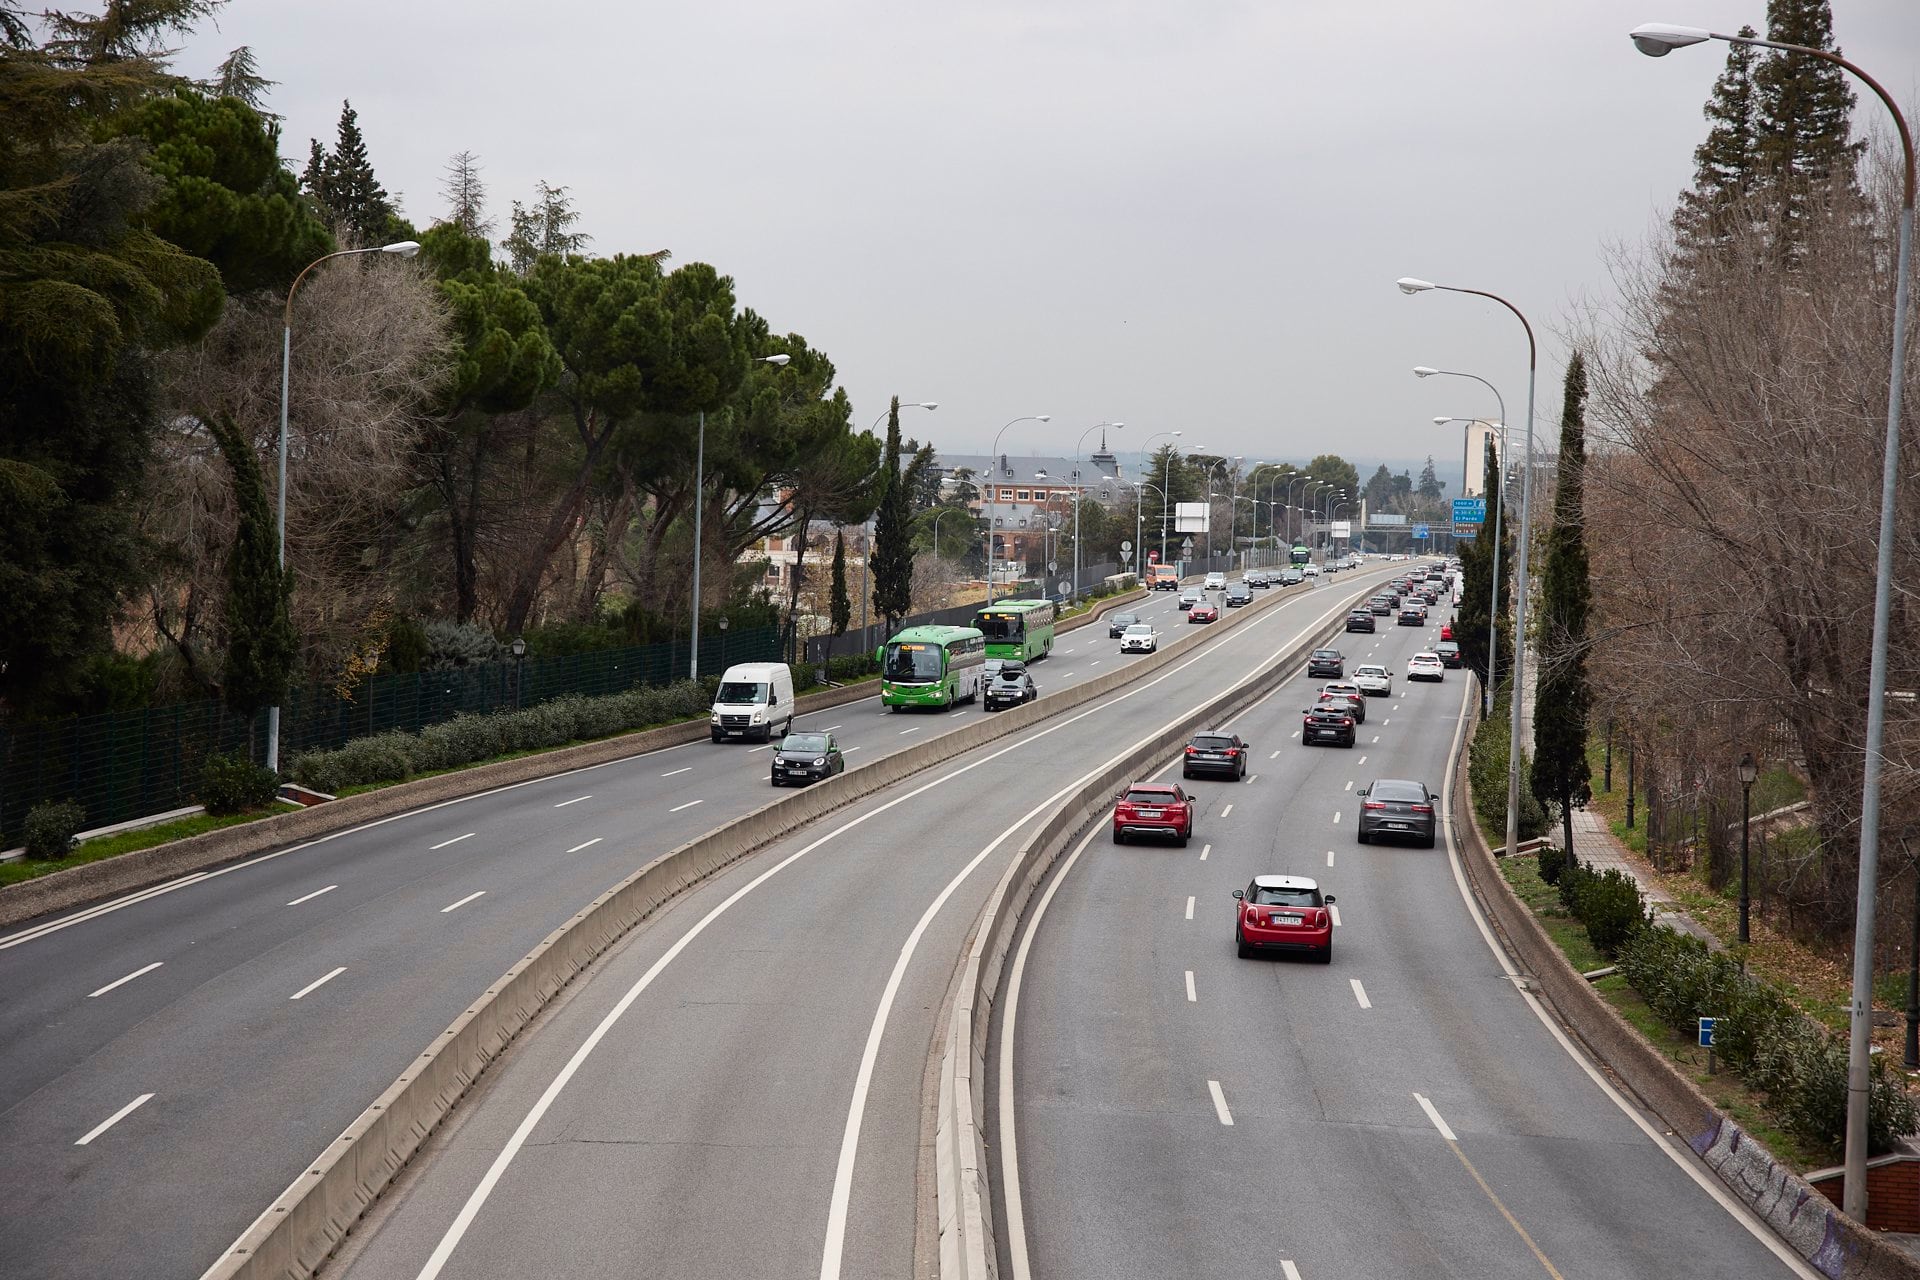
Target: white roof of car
{"x": 1286, "y": 882}
{"x": 1424, "y": 657}
{"x": 1370, "y": 669}
{"x": 1138, "y": 628}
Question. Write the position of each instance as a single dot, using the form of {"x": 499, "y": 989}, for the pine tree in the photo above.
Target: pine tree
{"x": 1431, "y": 486}
{"x": 1725, "y": 163}
{"x": 314, "y": 180}
{"x": 1802, "y": 111}
{"x": 1562, "y": 697}
{"x": 466, "y": 196}
{"x": 262, "y": 646}
{"x": 892, "y": 550}
{"x": 344, "y": 185}
{"x": 239, "y": 77}
{"x": 840, "y": 604}
{"x": 544, "y": 229}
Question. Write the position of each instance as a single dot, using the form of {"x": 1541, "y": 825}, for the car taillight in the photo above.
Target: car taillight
{"x": 1253, "y": 915}
{"x": 1319, "y": 919}
{"x": 1232, "y": 752}
{"x": 1190, "y": 750}
{"x": 1423, "y": 808}
{"x": 1374, "y": 804}
{"x": 1346, "y": 719}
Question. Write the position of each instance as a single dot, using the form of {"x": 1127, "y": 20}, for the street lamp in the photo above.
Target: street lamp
{"x": 1499, "y": 520}
{"x": 1656, "y": 40}
{"x": 1749, "y": 773}
{"x": 993, "y": 464}
{"x": 399, "y": 249}
{"x": 1078, "y": 489}
{"x": 519, "y": 648}
{"x": 699, "y": 510}
{"x": 1409, "y": 285}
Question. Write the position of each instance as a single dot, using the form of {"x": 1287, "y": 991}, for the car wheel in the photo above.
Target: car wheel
{"x": 1186, "y": 775}
{"x": 1326, "y": 956}
{"x": 1246, "y": 952}
{"x": 776, "y": 782}
{"x": 719, "y": 737}
{"x": 1364, "y": 837}
{"x": 1119, "y": 836}
{"x": 1430, "y": 840}
{"x": 1186, "y": 836}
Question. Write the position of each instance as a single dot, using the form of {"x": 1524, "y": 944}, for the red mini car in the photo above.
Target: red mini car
{"x": 1283, "y": 913}
{"x": 1203, "y": 613}
{"x": 1153, "y": 809}
{"x": 1446, "y": 631}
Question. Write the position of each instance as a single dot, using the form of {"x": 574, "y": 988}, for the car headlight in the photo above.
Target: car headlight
{"x": 819, "y": 760}
{"x": 715, "y": 717}
{"x": 758, "y": 713}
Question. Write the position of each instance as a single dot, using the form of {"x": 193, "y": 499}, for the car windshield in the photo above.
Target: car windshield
{"x": 1369, "y": 670}
{"x": 1264, "y": 897}
{"x": 1448, "y": 646}
{"x": 1212, "y": 741}
{"x": 738, "y": 691}
{"x": 1139, "y": 629}
{"x": 1333, "y": 706}
{"x": 1001, "y": 626}
{"x": 1150, "y": 795}
{"x": 1326, "y": 653}
{"x": 908, "y": 662}
{"x": 1425, "y": 659}
{"x": 1124, "y": 619}
{"x": 1406, "y": 792}
{"x": 804, "y": 744}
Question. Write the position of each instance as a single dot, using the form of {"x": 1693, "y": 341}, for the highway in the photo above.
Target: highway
{"x": 740, "y": 1086}
{"x": 1400, "y": 1112}
{"x": 170, "y": 1062}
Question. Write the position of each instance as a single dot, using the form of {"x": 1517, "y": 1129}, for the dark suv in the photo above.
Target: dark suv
{"x": 1238, "y": 593}
{"x": 1395, "y": 808}
{"x": 1360, "y": 620}
{"x": 1449, "y": 653}
{"x": 1327, "y": 662}
{"x": 1118, "y": 623}
{"x": 1216, "y": 752}
{"x": 1331, "y": 720}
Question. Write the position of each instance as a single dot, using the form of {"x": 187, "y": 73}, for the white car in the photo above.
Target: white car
{"x": 1310, "y": 569}
{"x": 1141, "y": 638}
{"x": 1426, "y": 666}
{"x": 1375, "y": 681}
{"x": 1216, "y": 582}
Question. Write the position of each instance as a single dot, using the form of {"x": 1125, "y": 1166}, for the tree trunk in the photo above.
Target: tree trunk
{"x": 532, "y": 572}
{"x": 613, "y": 531}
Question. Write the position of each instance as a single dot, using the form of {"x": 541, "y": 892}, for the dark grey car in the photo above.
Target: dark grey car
{"x": 1010, "y": 686}
{"x": 1118, "y": 623}
{"x": 1239, "y": 593}
{"x": 807, "y": 757}
{"x": 1393, "y": 808}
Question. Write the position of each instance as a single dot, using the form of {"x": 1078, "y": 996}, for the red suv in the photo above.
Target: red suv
{"x": 1153, "y": 809}
{"x": 1283, "y": 913}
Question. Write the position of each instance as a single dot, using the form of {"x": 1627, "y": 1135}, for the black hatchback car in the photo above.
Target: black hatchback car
{"x": 1449, "y": 653}
{"x": 1327, "y": 662}
{"x": 1394, "y": 808}
{"x": 807, "y": 757}
{"x": 1330, "y": 720}
{"x": 1011, "y": 686}
{"x": 1360, "y": 620}
{"x": 1238, "y": 593}
{"x": 1216, "y": 752}
{"x": 1118, "y": 623}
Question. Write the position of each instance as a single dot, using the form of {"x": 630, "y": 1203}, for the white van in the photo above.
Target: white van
{"x": 754, "y": 700}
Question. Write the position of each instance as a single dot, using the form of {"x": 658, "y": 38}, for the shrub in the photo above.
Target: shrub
{"x": 461, "y": 644}
{"x": 1551, "y": 862}
{"x": 1608, "y": 904}
{"x": 234, "y": 784}
{"x": 50, "y": 828}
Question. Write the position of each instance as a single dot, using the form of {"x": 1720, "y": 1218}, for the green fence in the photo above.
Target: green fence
{"x": 129, "y": 764}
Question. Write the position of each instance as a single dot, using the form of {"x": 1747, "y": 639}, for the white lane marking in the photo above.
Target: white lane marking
{"x": 1224, "y": 812}
{"x": 456, "y": 840}
{"x": 1191, "y": 997}
{"x": 1189, "y": 906}
{"x": 1387, "y": 721}
{"x": 1349, "y": 785}
{"x": 309, "y": 897}
{"x": 1205, "y": 849}
{"x": 1294, "y": 734}
{"x": 1329, "y": 857}
{"x": 1376, "y": 737}
{"x": 688, "y": 805}
{"x": 905, "y": 732}
{"x": 317, "y": 983}
{"x": 463, "y": 1221}
{"x": 1336, "y": 817}
{"x": 588, "y": 845}
{"x": 577, "y": 799}
{"x": 1220, "y": 1103}
{"x": 1360, "y": 994}
{"x": 1094, "y": 663}
{"x": 455, "y": 906}
{"x": 1361, "y": 760}
{"x": 1274, "y": 756}
{"x": 1331, "y": 909}
{"x": 1253, "y": 778}
{"x": 1396, "y": 706}
{"x": 830, "y": 728}
{"x": 1434, "y": 1116}
{"x": 129, "y": 978}
{"x": 114, "y": 1119}
{"x": 849, "y": 751}
{"x": 674, "y": 773}
{"x": 1288, "y": 1271}
{"x": 763, "y": 747}
{"x": 1066, "y": 651}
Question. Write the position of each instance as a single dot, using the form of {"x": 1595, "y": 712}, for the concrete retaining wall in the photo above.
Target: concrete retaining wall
{"x": 306, "y": 1223}
{"x": 1831, "y": 1242}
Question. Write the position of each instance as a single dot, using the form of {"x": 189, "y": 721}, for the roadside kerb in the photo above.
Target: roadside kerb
{"x": 144, "y": 868}
{"x": 1811, "y": 1225}
{"x": 303, "y": 1226}
{"x": 963, "y": 1186}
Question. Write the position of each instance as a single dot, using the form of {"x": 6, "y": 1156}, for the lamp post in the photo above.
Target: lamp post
{"x": 1408, "y": 285}
{"x": 1656, "y": 40}
{"x": 1499, "y": 518}
{"x": 1078, "y": 493}
{"x": 699, "y": 510}
{"x": 993, "y": 463}
{"x": 519, "y": 648}
{"x": 400, "y": 249}
{"x": 1306, "y": 483}
{"x": 1749, "y": 774}
{"x": 1274, "y": 477}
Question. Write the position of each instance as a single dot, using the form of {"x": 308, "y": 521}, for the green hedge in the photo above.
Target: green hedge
{"x": 1487, "y": 767}
{"x": 1607, "y": 902}
{"x": 395, "y": 757}
{"x": 1794, "y": 1062}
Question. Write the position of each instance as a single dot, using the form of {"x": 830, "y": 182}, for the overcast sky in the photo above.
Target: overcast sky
{"x": 1176, "y": 215}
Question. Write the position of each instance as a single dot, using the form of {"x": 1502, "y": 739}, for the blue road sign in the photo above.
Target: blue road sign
{"x": 1706, "y": 1033}
{"x": 1466, "y": 531}
{"x": 1469, "y": 510}
{"x": 1420, "y": 531}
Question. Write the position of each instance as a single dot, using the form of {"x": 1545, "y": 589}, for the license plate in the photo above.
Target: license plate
{"x": 1279, "y": 919}
{"x": 1147, "y": 813}
{"x": 1397, "y": 826}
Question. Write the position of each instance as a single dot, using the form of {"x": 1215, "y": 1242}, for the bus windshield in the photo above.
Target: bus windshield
{"x": 913, "y": 662}
{"x": 1001, "y": 626}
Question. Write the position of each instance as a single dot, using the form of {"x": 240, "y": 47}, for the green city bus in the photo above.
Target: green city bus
{"x": 1020, "y": 629}
{"x": 1299, "y": 554}
{"x": 932, "y": 667}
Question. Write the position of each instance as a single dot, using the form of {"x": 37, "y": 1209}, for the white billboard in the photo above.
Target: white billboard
{"x": 1343, "y": 528}
{"x": 1192, "y": 517}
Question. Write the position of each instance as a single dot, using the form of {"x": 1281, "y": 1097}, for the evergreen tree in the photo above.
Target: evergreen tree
{"x": 466, "y": 196}
{"x": 1724, "y": 164}
{"x": 840, "y": 604}
{"x": 1431, "y": 486}
{"x": 1562, "y": 697}
{"x": 262, "y": 646}
{"x": 892, "y": 549}
{"x": 239, "y": 77}
{"x": 1379, "y": 490}
{"x": 1471, "y": 620}
{"x": 343, "y": 183}
{"x": 546, "y": 228}
{"x": 1802, "y": 109}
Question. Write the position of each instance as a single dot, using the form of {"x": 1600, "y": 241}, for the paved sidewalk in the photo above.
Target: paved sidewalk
{"x": 1594, "y": 843}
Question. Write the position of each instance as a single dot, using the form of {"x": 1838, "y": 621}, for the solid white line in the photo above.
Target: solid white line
{"x": 1224, "y": 812}
{"x": 463, "y": 902}
{"x": 1434, "y": 1116}
{"x": 1189, "y": 906}
{"x": 1360, "y": 994}
{"x": 1335, "y": 913}
{"x": 588, "y": 845}
{"x": 1205, "y": 849}
{"x": 311, "y": 896}
{"x": 113, "y": 1119}
{"x": 688, "y": 805}
{"x": 129, "y": 978}
{"x": 577, "y": 799}
{"x": 674, "y": 773}
{"x": 317, "y": 983}
{"x": 456, "y": 840}
{"x": 1191, "y": 997}
{"x": 1220, "y": 1103}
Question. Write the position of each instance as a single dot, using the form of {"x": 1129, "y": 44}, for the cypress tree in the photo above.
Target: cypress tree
{"x": 344, "y": 185}
{"x": 1725, "y": 163}
{"x": 1562, "y": 697}
{"x": 840, "y": 604}
{"x": 892, "y": 549}
{"x": 261, "y": 644}
{"x": 1802, "y": 111}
